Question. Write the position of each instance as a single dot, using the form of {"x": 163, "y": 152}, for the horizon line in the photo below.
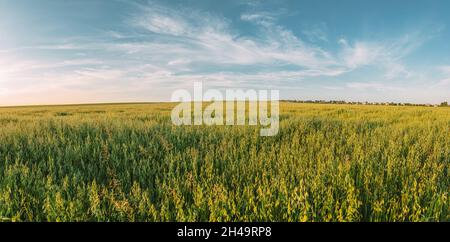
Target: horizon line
{"x": 315, "y": 101}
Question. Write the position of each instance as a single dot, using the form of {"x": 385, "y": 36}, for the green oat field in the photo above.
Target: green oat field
{"x": 127, "y": 162}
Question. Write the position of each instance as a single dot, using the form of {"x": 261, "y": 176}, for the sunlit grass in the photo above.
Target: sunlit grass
{"x": 127, "y": 162}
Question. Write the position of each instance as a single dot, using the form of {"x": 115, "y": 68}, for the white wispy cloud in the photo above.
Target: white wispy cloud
{"x": 385, "y": 54}
{"x": 317, "y": 32}
{"x": 378, "y": 86}
{"x": 208, "y": 39}
{"x": 444, "y": 81}
{"x": 444, "y": 69}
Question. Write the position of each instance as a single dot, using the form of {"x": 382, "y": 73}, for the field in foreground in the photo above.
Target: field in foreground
{"x": 129, "y": 163}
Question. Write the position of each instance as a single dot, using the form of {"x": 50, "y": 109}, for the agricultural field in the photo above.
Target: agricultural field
{"x": 127, "y": 162}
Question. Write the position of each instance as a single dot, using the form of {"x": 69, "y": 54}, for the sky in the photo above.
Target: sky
{"x": 89, "y": 51}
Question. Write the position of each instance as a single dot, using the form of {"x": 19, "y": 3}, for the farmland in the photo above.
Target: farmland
{"x": 127, "y": 162}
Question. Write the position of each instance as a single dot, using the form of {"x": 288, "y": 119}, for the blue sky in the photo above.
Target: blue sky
{"x": 124, "y": 51}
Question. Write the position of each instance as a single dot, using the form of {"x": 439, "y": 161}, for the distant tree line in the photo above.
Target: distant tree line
{"x": 443, "y": 104}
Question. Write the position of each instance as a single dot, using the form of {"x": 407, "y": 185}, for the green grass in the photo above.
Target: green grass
{"x": 129, "y": 163}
